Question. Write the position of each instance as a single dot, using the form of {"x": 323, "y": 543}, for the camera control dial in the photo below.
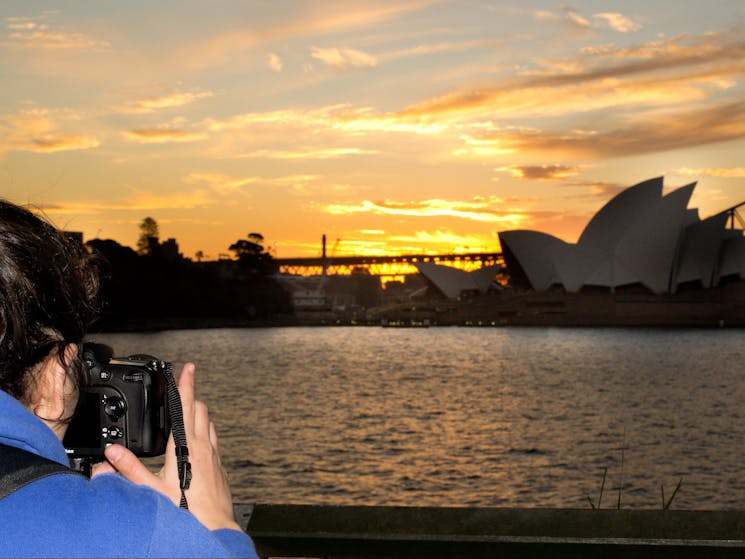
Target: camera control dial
{"x": 114, "y": 407}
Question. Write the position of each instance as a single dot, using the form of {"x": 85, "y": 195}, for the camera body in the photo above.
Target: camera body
{"x": 123, "y": 400}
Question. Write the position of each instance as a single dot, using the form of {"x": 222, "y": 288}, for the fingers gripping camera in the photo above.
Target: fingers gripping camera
{"x": 123, "y": 400}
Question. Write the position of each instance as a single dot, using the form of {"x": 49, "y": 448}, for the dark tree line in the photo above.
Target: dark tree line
{"x": 156, "y": 287}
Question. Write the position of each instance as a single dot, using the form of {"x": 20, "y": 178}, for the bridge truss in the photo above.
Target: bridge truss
{"x": 384, "y": 266}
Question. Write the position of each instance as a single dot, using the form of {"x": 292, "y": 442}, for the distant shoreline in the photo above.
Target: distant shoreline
{"x": 160, "y": 325}
{"x": 722, "y": 306}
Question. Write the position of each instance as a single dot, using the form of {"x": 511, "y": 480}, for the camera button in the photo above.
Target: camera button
{"x": 105, "y": 374}
{"x": 114, "y": 433}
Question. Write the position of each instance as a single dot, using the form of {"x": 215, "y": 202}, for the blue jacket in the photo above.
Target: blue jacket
{"x": 71, "y": 516}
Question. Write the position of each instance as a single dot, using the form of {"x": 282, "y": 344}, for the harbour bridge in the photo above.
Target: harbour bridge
{"x": 385, "y": 266}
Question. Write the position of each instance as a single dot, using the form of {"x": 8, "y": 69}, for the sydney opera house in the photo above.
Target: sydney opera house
{"x": 645, "y": 259}
{"x": 641, "y": 238}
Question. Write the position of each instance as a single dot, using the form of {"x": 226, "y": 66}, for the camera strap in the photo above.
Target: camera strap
{"x": 20, "y": 467}
{"x": 179, "y": 434}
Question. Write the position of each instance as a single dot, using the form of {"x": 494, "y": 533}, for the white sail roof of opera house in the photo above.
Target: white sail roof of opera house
{"x": 639, "y": 237}
{"x": 452, "y": 281}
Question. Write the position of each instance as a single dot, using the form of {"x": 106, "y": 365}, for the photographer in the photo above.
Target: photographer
{"x": 48, "y": 298}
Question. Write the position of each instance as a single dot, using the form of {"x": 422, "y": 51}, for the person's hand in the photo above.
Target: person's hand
{"x": 209, "y": 493}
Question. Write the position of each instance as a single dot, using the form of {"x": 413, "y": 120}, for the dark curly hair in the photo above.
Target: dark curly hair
{"x": 48, "y": 296}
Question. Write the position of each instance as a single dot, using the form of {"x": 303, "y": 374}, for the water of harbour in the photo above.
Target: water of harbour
{"x": 514, "y": 417}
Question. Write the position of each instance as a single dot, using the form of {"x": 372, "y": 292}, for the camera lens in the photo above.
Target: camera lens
{"x": 114, "y": 407}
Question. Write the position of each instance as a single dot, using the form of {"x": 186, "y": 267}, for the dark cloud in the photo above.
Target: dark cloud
{"x": 680, "y": 130}
{"x": 50, "y": 144}
{"x": 542, "y": 172}
{"x": 681, "y": 60}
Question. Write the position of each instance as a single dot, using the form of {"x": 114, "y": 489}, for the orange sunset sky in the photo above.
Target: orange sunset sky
{"x": 395, "y": 127}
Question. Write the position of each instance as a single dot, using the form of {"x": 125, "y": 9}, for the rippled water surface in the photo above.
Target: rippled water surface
{"x": 471, "y": 416}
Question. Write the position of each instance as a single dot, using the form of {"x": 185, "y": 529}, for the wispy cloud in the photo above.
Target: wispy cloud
{"x": 722, "y": 172}
{"x": 541, "y": 172}
{"x": 344, "y": 58}
{"x": 51, "y": 144}
{"x": 602, "y": 189}
{"x": 571, "y": 17}
{"x": 323, "y": 19}
{"x": 567, "y": 15}
{"x": 137, "y": 201}
{"x": 172, "y": 100}
{"x": 334, "y": 132}
{"x": 147, "y": 200}
{"x": 658, "y": 73}
{"x": 163, "y": 136}
{"x": 443, "y": 46}
{"x": 343, "y": 118}
{"x": 42, "y": 131}
{"x": 435, "y": 240}
{"x": 246, "y": 120}
{"x": 38, "y": 33}
{"x": 477, "y": 209}
{"x": 308, "y": 153}
{"x": 365, "y": 119}
{"x": 219, "y": 182}
{"x": 618, "y": 21}
{"x": 274, "y": 61}
{"x": 225, "y": 184}
{"x": 654, "y": 133}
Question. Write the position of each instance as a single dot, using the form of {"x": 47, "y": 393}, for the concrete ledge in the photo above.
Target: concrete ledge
{"x": 387, "y": 532}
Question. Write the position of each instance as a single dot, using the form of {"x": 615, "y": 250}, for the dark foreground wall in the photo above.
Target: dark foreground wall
{"x": 473, "y": 533}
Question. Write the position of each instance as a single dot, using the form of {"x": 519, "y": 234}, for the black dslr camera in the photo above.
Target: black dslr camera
{"x": 122, "y": 400}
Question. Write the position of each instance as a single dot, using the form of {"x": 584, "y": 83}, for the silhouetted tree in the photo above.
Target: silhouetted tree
{"x": 252, "y": 256}
{"x": 149, "y": 236}
{"x": 250, "y": 247}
